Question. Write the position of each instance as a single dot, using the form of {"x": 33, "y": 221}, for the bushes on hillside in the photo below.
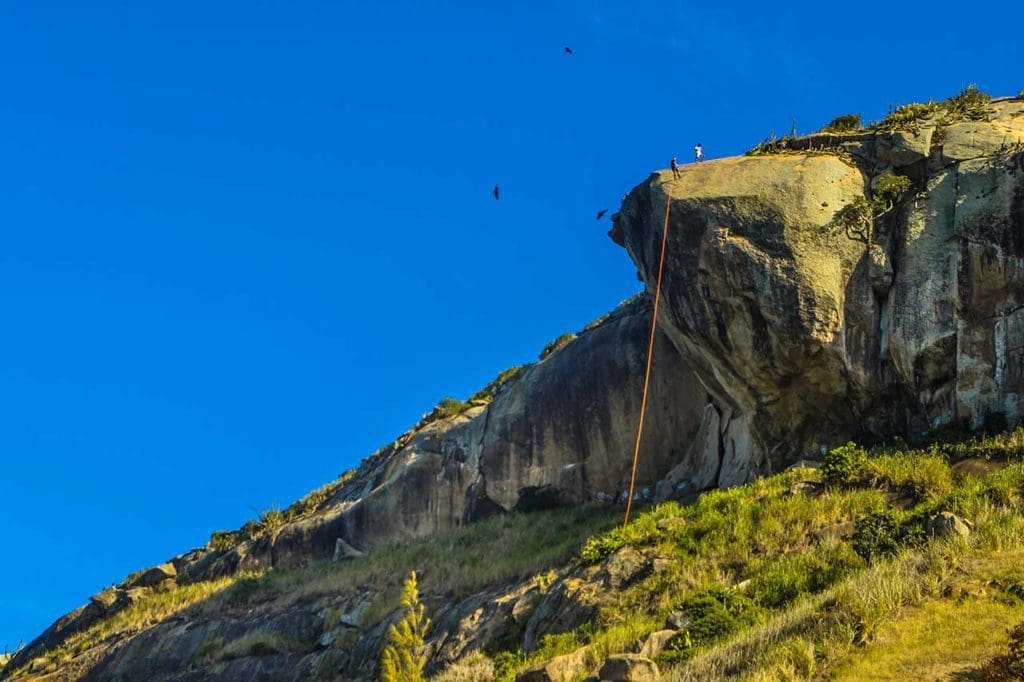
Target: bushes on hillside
{"x": 970, "y": 104}
{"x": 844, "y": 465}
{"x": 450, "y": 407}
{"x": 847, "y": 123}
{"x": 709, "y": 615}
{"x": 223, "y": 540}
{"x": 876, "y": 535}
{"x": 909, "y": 114}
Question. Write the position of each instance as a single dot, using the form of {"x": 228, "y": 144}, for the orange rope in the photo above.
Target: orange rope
{"x": 650, "y": 357}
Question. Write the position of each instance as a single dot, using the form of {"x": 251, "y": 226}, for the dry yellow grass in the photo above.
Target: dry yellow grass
{"x": 935, "y": 642}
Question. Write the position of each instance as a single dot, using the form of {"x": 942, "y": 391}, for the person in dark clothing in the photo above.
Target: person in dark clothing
{"x": 675, "y": 168}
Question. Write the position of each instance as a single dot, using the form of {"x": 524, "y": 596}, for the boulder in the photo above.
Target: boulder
{"x": 947, "y": 523}
{"x": 104, "y": 599}
{"x": 155, "y": 576}
{"x": 677, "y": 620}
{"x": 559, "y": 669}
{"x": 910, "y": 146}
{"x": 629, "y": 668}
{"x": 655, "y": 643}
{"x": 343, "y": 550}
{"x": 624, "y": 568}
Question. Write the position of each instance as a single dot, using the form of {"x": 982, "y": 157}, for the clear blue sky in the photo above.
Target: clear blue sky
{"x": 246, "y": 243}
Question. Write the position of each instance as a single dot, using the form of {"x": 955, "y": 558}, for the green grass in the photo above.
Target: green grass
{"x": 794, "y": 558}
{"x": 516, "y": 546}
{"x": 934, "y": 641}
{"x": 779, "y": 580}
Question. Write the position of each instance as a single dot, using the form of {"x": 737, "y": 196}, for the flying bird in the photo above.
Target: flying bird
{"x": 600, "y": 214}
{"x": 568, "y": 50}
{"x": 497, "y": 192}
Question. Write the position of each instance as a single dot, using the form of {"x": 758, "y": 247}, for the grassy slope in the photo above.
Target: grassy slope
{"x": 771, "y": 570}
{"x": 802, "y": 603}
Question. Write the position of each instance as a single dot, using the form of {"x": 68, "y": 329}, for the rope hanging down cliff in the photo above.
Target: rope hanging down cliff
{"x": 650, "y": 357}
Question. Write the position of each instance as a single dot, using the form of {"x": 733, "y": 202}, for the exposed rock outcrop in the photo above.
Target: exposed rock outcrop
{"x": 806, "y": 337}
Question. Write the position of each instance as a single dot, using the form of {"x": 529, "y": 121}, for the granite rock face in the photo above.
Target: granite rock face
{"x": 805, "y": 337}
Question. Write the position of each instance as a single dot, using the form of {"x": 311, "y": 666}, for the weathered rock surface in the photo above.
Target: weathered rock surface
{"x": 567, "y": 422}
{"x": 629, "y": 668}
{"x": 947, "y": 523}
{"x": 804, "y": 337}
{"x": 563, "y": 668}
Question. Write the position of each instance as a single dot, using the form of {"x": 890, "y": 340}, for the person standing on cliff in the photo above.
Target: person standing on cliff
{"x": 698, "y": 153}
{"x": 675, "y": 168}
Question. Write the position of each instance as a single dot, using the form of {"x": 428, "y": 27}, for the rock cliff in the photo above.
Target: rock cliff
{"x": 807, "y": 337}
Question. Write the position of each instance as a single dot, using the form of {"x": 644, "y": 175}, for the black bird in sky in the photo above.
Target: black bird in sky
{"x": 600, "y": 214}
{"x": 568, "y": 50}
{"x": 497, "y": 192}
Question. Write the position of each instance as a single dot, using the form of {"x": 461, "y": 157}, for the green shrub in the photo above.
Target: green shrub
{"x": 844, "y": 465}
{"x": 506, "y": 664}
{"x": 558, "y": 343}
{"x": 843, "y": 124}
{"x": 856, "y": 219}
{"x": 971, "y": 104}
{"x": 909, "y": 114}
{"x": 271, "y": 521}
{"x": 920, "y": 474}
{"x": 876, "y": 535}
{"x": 712, "y": 614}
{"x": 450, "y": 407}
{"x": 888, "y": 187}
{"x": 404, "y": 656}
{"x": 224, "y": 540}
{"x": 782, "y": 581}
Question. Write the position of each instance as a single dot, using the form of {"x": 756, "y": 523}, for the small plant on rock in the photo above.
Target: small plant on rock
{"x": 558, "y": 343}
{"x": 857, "y": 219}
{"x": 223, "y": 540}
{"x": 909, "y": 114}
{"x": 847, "y": 123}
{"x": 970, "y": 104}
{"x": 450, "y": 407}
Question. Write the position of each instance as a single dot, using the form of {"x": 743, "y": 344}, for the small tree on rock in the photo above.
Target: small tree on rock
{"x": 857, "y": 219}
{"x": 403, "y": 659}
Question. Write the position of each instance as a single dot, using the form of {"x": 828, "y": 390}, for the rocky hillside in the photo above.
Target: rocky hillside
{"x": 860, "y": 284}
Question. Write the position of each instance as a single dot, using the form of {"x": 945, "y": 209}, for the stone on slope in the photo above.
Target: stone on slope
{"x": 629, "y": 668}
